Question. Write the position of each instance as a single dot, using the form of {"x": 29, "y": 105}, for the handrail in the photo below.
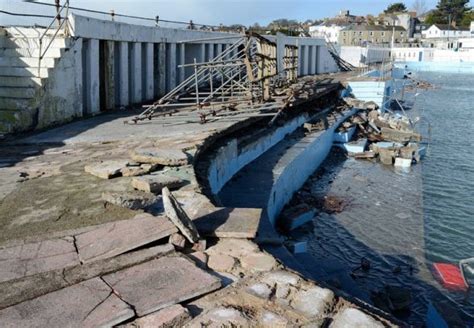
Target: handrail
{"x": 42, "y": 53}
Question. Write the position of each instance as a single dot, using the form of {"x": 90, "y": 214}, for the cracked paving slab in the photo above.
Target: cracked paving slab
{"x": 29, "y": 259}
{"x": 88, "y": 304}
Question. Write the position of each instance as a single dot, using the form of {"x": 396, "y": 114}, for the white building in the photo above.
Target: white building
{"x": 329, "y": 31}
{"x": 438, "y": 31}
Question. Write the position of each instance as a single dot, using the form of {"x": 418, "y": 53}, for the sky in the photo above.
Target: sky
{"x": 212, "y": 12}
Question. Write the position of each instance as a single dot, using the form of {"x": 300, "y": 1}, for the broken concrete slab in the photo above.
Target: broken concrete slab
{"x": 351, "y": 317}
{"x": 399, "y": 136}
{"x": 159, "y": 283}
{"x": 233, "y": 247}
{"x": 134, "y": 200}
{"x": 106, "y": 169}
{"x": 29, "y": 259}
{"x": 178, "y": 216}
{"x": 115, "y": 238}
{"x": 88, "y": 304}
{"x": 230, "y": 223}
{"x": 172, "y": 316}
{"x": 154, "y": 183}
{"x": 296, "y": 216}
{"x": 20, "y": 290}
{"x": 166, "y": 157}
{"x": 221, "y": 262}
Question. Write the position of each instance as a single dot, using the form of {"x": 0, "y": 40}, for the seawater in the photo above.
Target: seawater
{"x": 403, "y": 221}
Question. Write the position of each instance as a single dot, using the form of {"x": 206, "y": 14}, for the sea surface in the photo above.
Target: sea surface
{"x": 402, "y": 221}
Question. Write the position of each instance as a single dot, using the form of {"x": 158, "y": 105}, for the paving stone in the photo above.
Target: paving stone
{"x": 220, "y": 317}
{"x": 178, "y": 216}
{"x": 272, "y": 320}
{"x": 172, "y": 316}
{"x": 29, "y": 259}
{"x": 233, "y": 247}
{"x": 167, "y": 157}
{"x": 106, "y": 169}
{"x": 154, "y": 183}
{"x": 258, "y": 262}
{"x": 87, "y": 304}
{"x": 230, "y": 223}
{"x": 221, "y": 262}
{"x": 281, "y": 278}
{"x": 354, "y": 318}
{"x": 134, "y": 200}
{"x": 118, "y": 237}
{"x": 261, "y": 290}
{"x": 314, "y": 302}
{"x": 200, "y": 258}
{"x": 177, "y": 240}
{"x": 159, "y": 283}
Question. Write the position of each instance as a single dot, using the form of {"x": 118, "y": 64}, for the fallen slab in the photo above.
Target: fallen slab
{"x": 107, "y": 169}
{"x": 178, "y": 216}
{"x": 89, "y": 304}
{"x": 230, "y": 223}
{"x": 154, "y": 183}
{"x": 29, "y": 259}
{"x": 118, "y": 237}
{"x": 156, "y": 284}
{"x": 399, "y": 136}
{"x": 166, "y": 157}
{"x": 172, "y": 316}
{"x": 134, "y": 200}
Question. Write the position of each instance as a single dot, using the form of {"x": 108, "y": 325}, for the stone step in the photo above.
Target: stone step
{"x": 29, "y": 32}
{"x": 9, "y": 103}
{"x": 29, "y": 52}
{"x": 17, "y": 92}
{"x": 26, "y": 62}
{"x": 23, "y": 71}
{"x": 12, "y": 43}
{"x": 20, "y": 81}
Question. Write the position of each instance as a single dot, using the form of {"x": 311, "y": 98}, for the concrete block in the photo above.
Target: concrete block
{"x": 154, "y": 183}
{"x": 402, "y": 162}
{"x": 88, "y": 304}
{"x": 166, "y": 157}
{"x": 118, "y": 237}
{"x": 106, "y": 169}
{"x": 134, "y": 200}
{"x": 296, "y": 216}
{"x": 172, "y": 316}
{"x": 230, "y": 223}
{"x": 157, "y": 284}
{"x": 298, "y": 247}
{"x": 350, "y": 317}
{"x": 314, "y": 302}
{"x": 29, "y": 259}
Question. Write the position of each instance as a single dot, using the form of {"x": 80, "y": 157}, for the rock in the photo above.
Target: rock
{"x": 233, "y": 247}
{"x": 282, "y": 291}
{"x": 200, "y": 258}
{"x": 106, "y": 169}
{"x": 220, "y": 317}
{"x": 314, "y": 302}
{"x": 177, "y": 240}
{"x": 154, "y": 183}
{"x": 272, "y": 320}
{"x": 178, "y": 216}
{"x": 221, "y": 262}
{"x": 200, "y": 246}
{"x": 88, "y": 304}
{"x": 354, "y": 318}
{"x": 166, "y": 157}
{"x": 114, "y": 238}
{"x": 258, "y": 262}
{"x": 135, "y": 200}
{"x": 133, "y": 171}
{"x": 261, "y": 290}
{"x": 159, "y": 283}
{"x": 386, "y": 156}
{"x": 281, "y": 278}
{"x": 172, "y": 316}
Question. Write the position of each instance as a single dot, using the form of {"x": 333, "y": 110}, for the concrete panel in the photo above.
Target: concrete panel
{"x": 123, "y": 74}
{"x": 305, "y": 60}
{"x": 182, "y": 61}
{"x": 313, "y": 57}
{"x": 92, "y": 76}
{"x": 136, "y": 72}
{"x": 149, "y": 71}
{"x": 109, "y": 74}
{"x": 171, "y": 65}
{"x": 161, "y": 69}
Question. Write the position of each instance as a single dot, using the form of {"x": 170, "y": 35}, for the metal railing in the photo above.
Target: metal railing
{"x": 61, "y": 22}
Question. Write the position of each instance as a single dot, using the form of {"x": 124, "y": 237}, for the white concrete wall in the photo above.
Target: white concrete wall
{"x": 361, "y": 56}
{"x": 432, "y": 55}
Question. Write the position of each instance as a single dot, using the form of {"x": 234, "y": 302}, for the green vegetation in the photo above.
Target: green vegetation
{"x": 397, "y": 7}
{"x": 455, "y": 12}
